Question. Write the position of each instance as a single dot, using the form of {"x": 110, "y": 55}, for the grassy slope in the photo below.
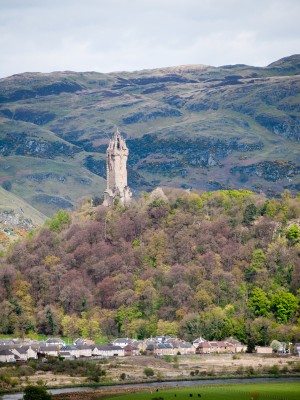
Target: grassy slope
{"x": 9, "y": 201}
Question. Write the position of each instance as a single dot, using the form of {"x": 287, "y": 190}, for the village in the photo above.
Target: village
{"x": 16, "y": 350}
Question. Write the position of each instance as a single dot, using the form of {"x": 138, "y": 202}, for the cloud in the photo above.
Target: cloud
{"x": 109, "y": 35}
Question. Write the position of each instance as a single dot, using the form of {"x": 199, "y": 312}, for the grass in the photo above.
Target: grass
{"x": 255, "y": 391}
{"x": 17, "y": 167}
{"x": 9, "y": 201}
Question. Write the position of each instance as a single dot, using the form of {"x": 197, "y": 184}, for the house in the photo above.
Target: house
{"x": 72, "y": 350}
{"x": 264, "y": 349}
{"x": 84, "y": 350}
{"x": 25, "y": 353}
{"x": 81, "y": 341}
{"x": 197, "y": 341}
{"x": 108, "y": 350}
{"x": 50, "y": 350}
{"x": 9, "y": 342}
{"x": 297, "y": 349}
{"x": 121, "y": 342}
{"x": 131, "y": 350}
{"x": 185, "y": 348}
{"x": 203, "y": 348}
{"x": 55, "y": 342}
{"x": 7, "y": 356}
{"x": 164, "y": 349}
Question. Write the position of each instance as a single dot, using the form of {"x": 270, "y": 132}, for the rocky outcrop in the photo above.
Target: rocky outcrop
{"x": 29, "y": 115}
{"x": 52, "y": 200}
{"x": 22, "y": 144}
{"x": 169, "y": 78}
{"x": 269, "y": 170}
{"x": 98, "y": 167}
{"x": 287, "y": 125}
{"x": 204, "y": 150}
{"x": 54, "y": 88}
{"x": 146, "y": 116}
{"x": 46, "y": 176}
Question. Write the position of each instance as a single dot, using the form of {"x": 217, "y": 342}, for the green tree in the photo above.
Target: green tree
{"x": 259, "y": 302}
{"x": 167, "y": 328}
{"x": 51, "y": 322}
{"x": 284, "y": 305}
{"x": 125, "y": 315}
{"x": 257, "y": 263}
{"x": 36, "y": 393}
{"x": 59, "y": 220}
{"x": 250, "y": 213}
{"x": 293, "y": 234}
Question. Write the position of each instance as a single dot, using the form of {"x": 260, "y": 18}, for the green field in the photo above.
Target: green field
{"x": 255, "y": 391}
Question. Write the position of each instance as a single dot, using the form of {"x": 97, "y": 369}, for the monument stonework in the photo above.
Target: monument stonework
{"x": 116, "y": 171}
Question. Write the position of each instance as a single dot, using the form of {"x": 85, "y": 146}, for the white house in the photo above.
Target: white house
{"x": 107, "y": 350}
{"x": 84, "y": 350}
{"x": 25, "y": 353}
{"x": 72, "y": 350}
{"x": 7, "y": 356}
{"x": 49, "y": 350}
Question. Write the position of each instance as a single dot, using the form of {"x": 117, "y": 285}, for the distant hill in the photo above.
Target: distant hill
{"x": 17, "y": 217}
{"x": 235, "y": 126}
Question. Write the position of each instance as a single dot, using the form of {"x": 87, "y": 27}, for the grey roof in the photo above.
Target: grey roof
{"x": 107, "y": 347}
{"x": 69, "y": 347}
{"x": 6, "y": 352}
{"x": 185, "y": 345}
{"x": 55, "y": 341}
{"x": 48, "y": 348}
{"x": 21, "y": 350}
{"x": 84, "y": 347}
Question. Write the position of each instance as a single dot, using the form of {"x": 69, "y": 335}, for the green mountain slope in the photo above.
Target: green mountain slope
{"x": 189, "y": 126}
{"x": 16, "y": 217}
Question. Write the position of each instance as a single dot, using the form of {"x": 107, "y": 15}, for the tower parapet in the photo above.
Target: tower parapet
{"x": 116, "y": 171}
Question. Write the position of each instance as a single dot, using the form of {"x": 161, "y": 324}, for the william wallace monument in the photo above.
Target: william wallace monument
{"x": 116, "y": 171}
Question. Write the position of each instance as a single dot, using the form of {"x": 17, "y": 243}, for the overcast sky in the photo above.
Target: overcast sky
{"x": 117, "y": 35}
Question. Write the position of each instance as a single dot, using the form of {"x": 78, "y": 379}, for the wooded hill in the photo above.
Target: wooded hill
{"x": 217, "y": 264}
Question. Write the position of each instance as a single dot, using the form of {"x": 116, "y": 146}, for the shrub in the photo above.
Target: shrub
{"x": 36, "y": 393}
{"x": 148, "y": 372}
{"x": 274, "y": 370}
{"x": 7, "y": 185}
{"x": 250, "y": 371}
{"x": 284, "y": 370}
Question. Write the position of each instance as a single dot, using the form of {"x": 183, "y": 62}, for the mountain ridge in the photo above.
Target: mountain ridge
{"x": 191, "y": 126}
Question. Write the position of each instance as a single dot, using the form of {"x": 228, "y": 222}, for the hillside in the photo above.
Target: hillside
{"x": 17, "y": 218}
{"x": 219, "y": 264}
{"x": 189, "y": 126}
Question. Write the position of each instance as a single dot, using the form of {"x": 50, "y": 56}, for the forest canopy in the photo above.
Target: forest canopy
{"x": 216, "y": 264}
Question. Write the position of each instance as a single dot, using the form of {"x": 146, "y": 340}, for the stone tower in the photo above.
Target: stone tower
{"x": 116, "y": 171}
